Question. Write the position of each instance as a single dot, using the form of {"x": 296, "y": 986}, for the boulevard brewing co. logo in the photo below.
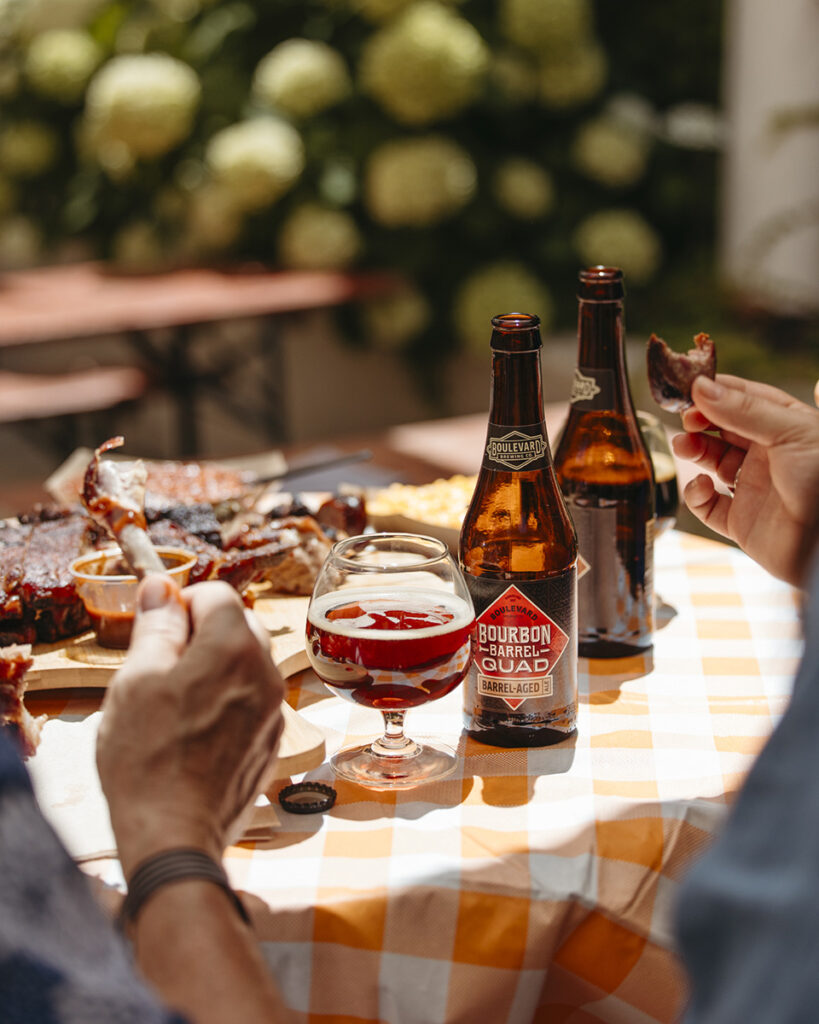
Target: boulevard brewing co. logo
{"x": 583, "y": 388}
{"x": 515, "y": 449}
{"x": 517, "y": 648}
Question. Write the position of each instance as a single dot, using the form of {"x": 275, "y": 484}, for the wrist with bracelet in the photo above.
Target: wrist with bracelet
{"x": 174, "y": 865}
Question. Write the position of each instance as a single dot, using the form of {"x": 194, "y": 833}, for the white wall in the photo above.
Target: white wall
{"x": 770, "y": 190}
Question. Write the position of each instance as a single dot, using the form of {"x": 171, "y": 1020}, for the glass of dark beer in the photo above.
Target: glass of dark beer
{"x": 667, "y": 493}
{"x": 390, "y": 626}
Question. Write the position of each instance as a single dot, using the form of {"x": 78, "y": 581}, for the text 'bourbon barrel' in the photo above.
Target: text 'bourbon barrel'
{"x": 606, "y": 476}
{"x": 518, "y": 553}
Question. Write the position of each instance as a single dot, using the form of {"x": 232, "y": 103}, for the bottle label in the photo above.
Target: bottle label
{"x": 593, "y": 388}
{"x": 615, "y": 592}
{"x": 524, "y": 447}
{"x": 524, "y": 642}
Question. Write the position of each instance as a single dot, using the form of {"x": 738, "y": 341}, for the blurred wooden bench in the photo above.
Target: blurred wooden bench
{"x": 59, "y": 402}
{"x": 88, "y": 300}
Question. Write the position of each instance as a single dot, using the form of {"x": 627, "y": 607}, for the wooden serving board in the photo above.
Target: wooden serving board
{"x": 81, "y": 662}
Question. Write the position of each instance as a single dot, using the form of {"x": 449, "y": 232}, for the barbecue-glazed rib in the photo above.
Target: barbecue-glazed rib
{"x": 15, "y": 718}
{"x": 114, "y": 496}
{"x": 237, "y": 566}
{"x": 308, "y": 544}
{"x": 671, "y": 374}
{"x": 38, "y": 601}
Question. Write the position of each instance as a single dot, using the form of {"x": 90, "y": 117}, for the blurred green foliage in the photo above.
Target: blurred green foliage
{"x": 504, "y": 88}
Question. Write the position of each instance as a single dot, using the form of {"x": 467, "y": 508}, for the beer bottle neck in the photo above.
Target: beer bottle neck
{"x": 600, "y": 335}
{"x": 517, "y": 390}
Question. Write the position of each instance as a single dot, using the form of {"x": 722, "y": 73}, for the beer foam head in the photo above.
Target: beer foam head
{"x": 384, "y": 601}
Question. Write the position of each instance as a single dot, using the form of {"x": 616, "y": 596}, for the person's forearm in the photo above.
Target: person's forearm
{"x": 202, "y": 959}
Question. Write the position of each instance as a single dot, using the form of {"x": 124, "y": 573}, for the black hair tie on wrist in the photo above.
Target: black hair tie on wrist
{"x": 173, "y": 866}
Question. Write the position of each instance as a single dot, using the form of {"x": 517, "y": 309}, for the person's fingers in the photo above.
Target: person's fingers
{"x": 693, "y": 420}
{"x": 710, "y": 452}
{"x": 757, "y": 413}
{"x": 737, "y": 440}
{"x": 257, "y": 629}
{"x": 707, "y": 504}
{"x": 756, "y": 389}
{"x": 161, "y": 624}
{"x": 214, "y": 598}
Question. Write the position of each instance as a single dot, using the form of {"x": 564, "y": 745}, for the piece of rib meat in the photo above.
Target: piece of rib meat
{"x": 38, "y": 600}
{"x": 15, "y": 718}
{"x": 238, "y": 566}
{"x": 671, "y": 374}
{"x": 164, "y": 533}
{"x": 114, "y": 496}
{"x": 307, "y": 544}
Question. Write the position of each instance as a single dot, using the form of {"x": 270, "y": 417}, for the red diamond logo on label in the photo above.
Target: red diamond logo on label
{"x": 517, "y": 648}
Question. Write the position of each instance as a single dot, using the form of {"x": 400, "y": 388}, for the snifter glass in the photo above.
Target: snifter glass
{"x": 390, "y": 626}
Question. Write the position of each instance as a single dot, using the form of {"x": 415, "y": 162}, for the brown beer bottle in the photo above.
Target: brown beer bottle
{"x": 518, "y": 553}
{"x": 607, "y": 478}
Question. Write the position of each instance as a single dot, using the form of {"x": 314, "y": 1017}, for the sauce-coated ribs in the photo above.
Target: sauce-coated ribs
{"x": 38, "y": 601}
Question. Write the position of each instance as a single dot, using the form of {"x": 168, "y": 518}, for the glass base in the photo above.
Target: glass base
{"x": 415, "y": 764}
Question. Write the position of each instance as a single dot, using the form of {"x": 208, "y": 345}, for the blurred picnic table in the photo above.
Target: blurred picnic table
{"x": 89, "y": 300}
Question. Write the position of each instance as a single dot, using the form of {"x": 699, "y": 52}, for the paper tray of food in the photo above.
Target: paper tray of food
{"x": 435, "y": 509}
{"x": 170, "y": 481}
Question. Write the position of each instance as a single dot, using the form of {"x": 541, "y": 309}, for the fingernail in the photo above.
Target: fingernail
{"x": 154, "y": 592}
{"x": 709, "y": 388}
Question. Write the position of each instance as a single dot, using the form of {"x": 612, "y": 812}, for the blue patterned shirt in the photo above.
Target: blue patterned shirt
{"x": 61, "y": 961}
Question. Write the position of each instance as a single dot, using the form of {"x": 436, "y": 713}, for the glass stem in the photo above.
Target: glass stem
{"x": 393, "y": 743}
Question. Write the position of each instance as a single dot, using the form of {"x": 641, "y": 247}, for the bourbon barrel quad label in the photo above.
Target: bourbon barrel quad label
{"x": 517, "y": 648}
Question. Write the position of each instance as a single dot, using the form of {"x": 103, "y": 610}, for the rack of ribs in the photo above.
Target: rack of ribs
{"x": 38, "y": 601}
{"x": 284, "y": 549}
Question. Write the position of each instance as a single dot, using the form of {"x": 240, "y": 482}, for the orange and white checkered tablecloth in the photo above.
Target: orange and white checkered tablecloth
{"x": 535, "y": 885}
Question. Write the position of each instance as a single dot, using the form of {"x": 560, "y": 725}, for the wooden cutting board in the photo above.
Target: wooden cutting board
{"x": 81, "y": 662}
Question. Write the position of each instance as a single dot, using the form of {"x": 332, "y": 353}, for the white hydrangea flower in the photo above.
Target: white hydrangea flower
{"x": 426, "y": 65}
{"x": 523, "y": 188}
{"x": 213, "y": 222}
{"x": 546, "y": 24}
{"x": 145, "y": 102}
{"x": 515, "y": 75}
{"x": 379, "y": 10}
{"x": 416, "y": 182}
{"x": 302, "y": 77}
{"x": 610, "y": 153}
{"x": 11, "y": 17}
{"x": 497, "y": 288}
{"x": 137, "y": 247}
{"x": 179, "y": 10}
{"x": 257, "y": 161}
{"x": 338, "y": 183}
{"x": 42, "y": 15}
{"x": 383, "y": 10}
{"x": 394, "y": 320}
{"x": 21, "y": 243}
{"x": 27, "y": 148}
{"x": 694, "y": 126}
{"x": 314, "y": 237}
{"x": 59, "y": 63}
{"x": 572, "y": 77}
{"x": 620, "y": 238}
{"x": 633, "y": 111}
